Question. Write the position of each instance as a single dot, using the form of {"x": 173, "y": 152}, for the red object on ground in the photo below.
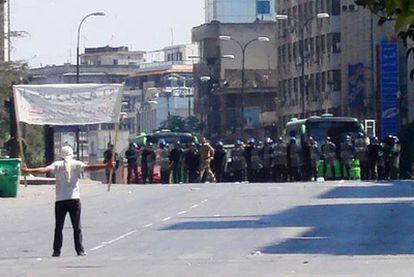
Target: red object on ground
{"x": 156, "y": 176}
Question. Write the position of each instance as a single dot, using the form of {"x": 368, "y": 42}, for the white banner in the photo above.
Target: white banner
{"x": 68, "y": 104}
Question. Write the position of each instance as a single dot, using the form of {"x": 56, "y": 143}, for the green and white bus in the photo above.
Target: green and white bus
{"x": 320, "y": 127}
{"x": 167, "y": 136}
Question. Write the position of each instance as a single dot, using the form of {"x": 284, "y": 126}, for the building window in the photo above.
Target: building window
{"x": 323, "y": 47}
{"x": 289, "y": 52}
{"x": 335, "y": 80}
{"x": 115, "y": 62}
{"x": 334, "y": 43}
{"x": 179, "y": 56}
{"x": 336, "y": 7}
{"x": 263, "y": 7}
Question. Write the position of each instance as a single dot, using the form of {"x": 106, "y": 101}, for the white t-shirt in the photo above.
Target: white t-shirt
{"x": 67, "y": 185}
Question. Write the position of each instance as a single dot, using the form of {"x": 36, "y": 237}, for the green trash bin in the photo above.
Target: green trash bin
{"x": 9, "y": 177}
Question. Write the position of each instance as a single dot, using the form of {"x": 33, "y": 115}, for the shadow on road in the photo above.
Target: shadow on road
{"x": 336, "y": 229}
{"x": 393, "y": 189}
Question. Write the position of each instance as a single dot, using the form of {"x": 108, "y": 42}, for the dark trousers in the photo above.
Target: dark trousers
{"x": 132, "y": 169}
{"x": 192, "y": 175}
{"x": 345, "y": 171}
{"x": 266, "y": 174}
{"x": 280, "y": 173}
{"x": 147, "y": 173}
{"x": 73, "y": 207}
{"x": 176, "y": 171}
{"x": 165, "y": 176}
{"x": 219, "y": 173}
{"x": 294, "y": 174}
{"x": 240, "y": 175}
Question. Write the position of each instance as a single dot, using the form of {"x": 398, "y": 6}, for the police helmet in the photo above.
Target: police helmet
{"x": 219, "y": 143}
{"x": 360, "y": 135}
{"x": 238, "y": 142}
{"x": 269, "y": 141}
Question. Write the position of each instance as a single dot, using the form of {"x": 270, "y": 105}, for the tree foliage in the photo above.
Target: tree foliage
{"x": 399, "y": 11}
{"x": 180, "y": 124}
{"x": 10, "y": 73}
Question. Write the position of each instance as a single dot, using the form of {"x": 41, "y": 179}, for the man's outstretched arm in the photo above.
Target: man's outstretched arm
{"x": 35, "y": 171}
{"x": 97, "y": 167}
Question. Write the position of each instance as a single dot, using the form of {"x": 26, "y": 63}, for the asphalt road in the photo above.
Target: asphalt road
{"x": 302, "y": 229}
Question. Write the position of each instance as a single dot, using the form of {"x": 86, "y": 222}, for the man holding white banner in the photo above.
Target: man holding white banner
{"x": 67, "y": 105}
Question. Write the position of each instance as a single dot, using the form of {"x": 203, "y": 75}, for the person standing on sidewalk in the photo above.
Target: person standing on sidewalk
{"x": 67, "y": 172}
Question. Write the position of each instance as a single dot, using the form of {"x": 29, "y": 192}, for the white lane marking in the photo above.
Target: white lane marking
{"x": 166, "y": 219}
{"x": 216, "y": 215}
{"x": 194, "y": 206}
{"x": 106, "y": 243}
{"x": 182, "y": 212}
{"x": 148, "y": 225}
{"x": 204, "y": 201}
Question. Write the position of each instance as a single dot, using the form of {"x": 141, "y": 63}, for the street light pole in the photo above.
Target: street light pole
{"x": 78, "y": 40}
{"x": 243, "y": 48}
{"x": 77, "y": 71}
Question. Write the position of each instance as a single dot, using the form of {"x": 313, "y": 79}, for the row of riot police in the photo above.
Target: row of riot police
{"x": 277, "y": 161}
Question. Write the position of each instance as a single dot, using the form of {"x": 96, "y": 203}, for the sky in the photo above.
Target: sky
{"x": 139, "y": 24}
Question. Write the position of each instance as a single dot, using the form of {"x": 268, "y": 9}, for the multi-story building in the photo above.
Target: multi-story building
{"x": 138, "y": 69}
{"x": 335, "y": 66}
{"x": 219, "y": 100}
{"x": 112, "y": 56}
{"x": 239, "y": 11}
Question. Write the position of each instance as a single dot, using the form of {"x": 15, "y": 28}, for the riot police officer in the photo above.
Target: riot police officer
{"x": 315, "y": 156}
{"x": 267, "y": 159}
{"x": 248, "y": 149}
{"x": 175, "y": 159}
{"x": 329, "y": 156}
{"x": 361, "y": 153}
{"x": 293, "y": 158}
{"x": 347, "y": 153}
{"x": 256, "y": 163}
{"x": 280, "y": 170}
{"x": 164, "y": 163}
{"x": 219, "y": 161}
{"x": 373, "y": 158}
{"x": 239, "y": 164}
{"x": 192, "y": 163}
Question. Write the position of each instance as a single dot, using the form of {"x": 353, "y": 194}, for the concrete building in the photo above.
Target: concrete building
{"x": 218, "y": 101}
{"x": 239, "y": 11}
{"x": 341, "y": 59}
{"x": 165, "y": 89}
{"x": 112, "y": 56}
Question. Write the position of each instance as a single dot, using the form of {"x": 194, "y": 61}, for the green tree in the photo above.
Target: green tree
{"x": 399, "y": 11}
{"x": 180, "y": 124}
{"x": 10, "y": 73}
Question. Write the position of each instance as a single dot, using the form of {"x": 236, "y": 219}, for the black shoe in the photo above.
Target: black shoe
{"x": 82, "y": 253}
{"x": 56, "y": 254}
